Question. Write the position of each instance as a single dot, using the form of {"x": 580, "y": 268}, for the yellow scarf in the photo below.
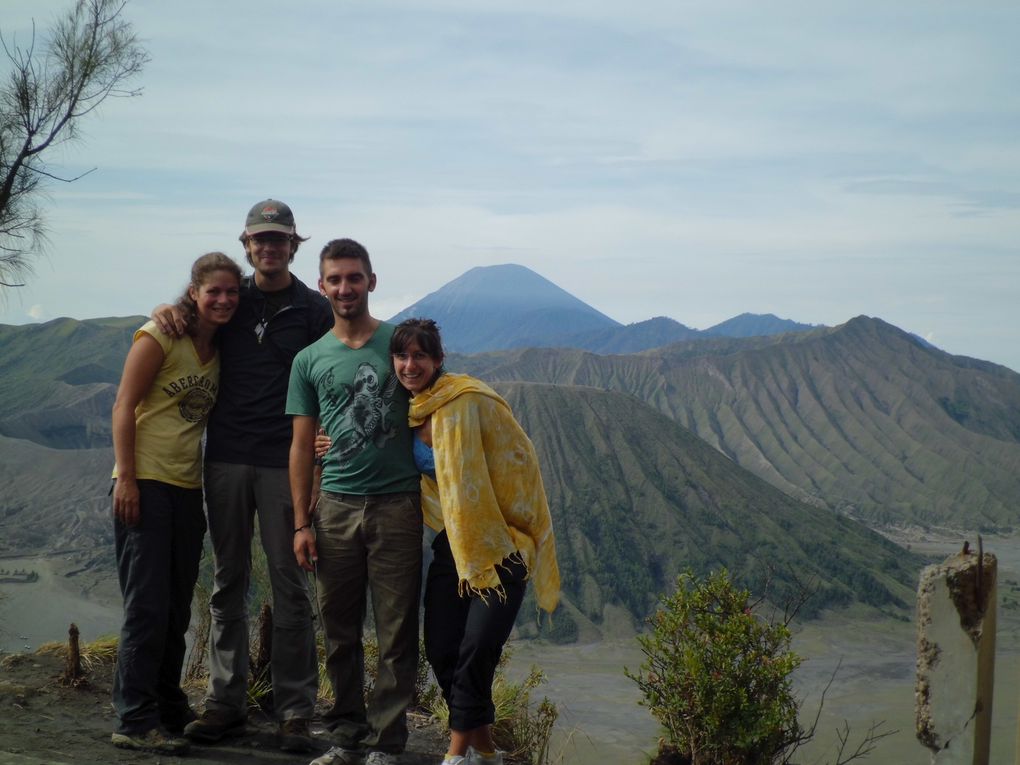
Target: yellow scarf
{"x": 488, "y": 492}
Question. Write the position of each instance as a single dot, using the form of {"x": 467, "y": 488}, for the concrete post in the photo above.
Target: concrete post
{"x": 956, "y": 612}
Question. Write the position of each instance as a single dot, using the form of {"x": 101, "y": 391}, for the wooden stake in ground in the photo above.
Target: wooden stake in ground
{"x": 72, "y": 664}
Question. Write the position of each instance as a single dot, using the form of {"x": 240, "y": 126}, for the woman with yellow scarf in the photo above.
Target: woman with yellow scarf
{"x": 482, "y": 492}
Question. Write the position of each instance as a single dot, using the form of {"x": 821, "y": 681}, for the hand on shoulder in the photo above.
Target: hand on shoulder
{"x": 168, "y": 320}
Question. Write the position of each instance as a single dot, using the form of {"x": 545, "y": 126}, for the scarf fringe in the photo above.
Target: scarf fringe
{"x": 466, "y": 590}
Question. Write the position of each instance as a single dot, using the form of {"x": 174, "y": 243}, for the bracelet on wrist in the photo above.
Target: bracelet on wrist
{"x": 302, "y": 528}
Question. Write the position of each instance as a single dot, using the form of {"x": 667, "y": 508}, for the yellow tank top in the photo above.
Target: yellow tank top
{"x": 170, "y": 420}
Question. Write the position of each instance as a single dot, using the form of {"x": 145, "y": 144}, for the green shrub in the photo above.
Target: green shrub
{"x": 717, "y": 676}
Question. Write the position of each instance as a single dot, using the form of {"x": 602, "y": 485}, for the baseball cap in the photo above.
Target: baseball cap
{"x": 270, "y": 215}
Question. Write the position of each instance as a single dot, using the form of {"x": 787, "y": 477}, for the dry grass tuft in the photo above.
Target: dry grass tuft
{"x": 99, "y": 653}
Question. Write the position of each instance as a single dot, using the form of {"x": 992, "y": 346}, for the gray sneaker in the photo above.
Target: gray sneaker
{"x": 337, "y": 755}
{"x": 214, "y": 725}
{"x": 477, "y": 758}
{"x": 381, "y": 758}
{"x": 153, "y": 740}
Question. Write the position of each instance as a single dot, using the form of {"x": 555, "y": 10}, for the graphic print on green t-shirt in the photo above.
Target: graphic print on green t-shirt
{"x": 363, "y": 408}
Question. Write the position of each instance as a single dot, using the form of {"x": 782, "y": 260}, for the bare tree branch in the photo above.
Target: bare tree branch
{"x": 90, "y": 55}
{"x": 866, "y": 745}
{"x": 62, "y": 180}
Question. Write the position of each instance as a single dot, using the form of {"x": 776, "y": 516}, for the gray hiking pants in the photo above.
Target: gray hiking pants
{"x": 234, "y": 494}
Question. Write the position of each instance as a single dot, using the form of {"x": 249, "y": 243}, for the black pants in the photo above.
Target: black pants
{"x": 157, "y": 563}
{"x": 464, "y": 636}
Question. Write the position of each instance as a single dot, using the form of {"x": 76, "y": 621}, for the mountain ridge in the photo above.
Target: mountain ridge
{"x": 523, "y": 303}
{"x": 510, "y": 306}
{"x": 695, "y": 508}
{"x": 919, "y": 419}
{"x": 813, "y": 411}
{"x": 751, "y": 324}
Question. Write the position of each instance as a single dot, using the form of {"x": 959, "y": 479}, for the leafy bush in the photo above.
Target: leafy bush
{"x": 717, "y": 676}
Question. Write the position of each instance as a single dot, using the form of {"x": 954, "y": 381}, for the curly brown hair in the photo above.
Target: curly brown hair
{"x": 200, "y": 271}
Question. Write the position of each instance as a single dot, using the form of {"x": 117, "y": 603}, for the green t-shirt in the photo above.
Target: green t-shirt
{"x": 358, "y": 400}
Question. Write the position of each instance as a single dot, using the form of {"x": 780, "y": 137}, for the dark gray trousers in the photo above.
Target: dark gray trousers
{"x": 157, "y": 564}
{"x": 234, "y": 495}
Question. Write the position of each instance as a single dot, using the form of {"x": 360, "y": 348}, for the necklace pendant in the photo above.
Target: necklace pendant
{"x": 260, "y": 330}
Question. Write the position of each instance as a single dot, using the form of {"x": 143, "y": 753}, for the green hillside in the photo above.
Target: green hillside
{"x": 33, "y": 358}
{"x": 860, "y": 418}
{"x": 58, "y": 379}
{"x": 636, "y": 498}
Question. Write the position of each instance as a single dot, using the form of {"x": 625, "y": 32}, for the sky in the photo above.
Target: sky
{"x": 814, "y": 160}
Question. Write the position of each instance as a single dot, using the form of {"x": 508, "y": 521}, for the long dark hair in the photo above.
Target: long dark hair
{"x": 200, "y": 271}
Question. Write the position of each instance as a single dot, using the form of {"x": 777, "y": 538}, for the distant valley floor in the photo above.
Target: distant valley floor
{"x": 41, "y": 611}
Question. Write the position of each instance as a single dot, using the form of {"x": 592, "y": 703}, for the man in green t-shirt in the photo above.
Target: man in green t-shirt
{"x": 367, "y": 524}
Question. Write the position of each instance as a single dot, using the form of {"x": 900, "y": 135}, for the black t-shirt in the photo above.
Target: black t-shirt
{"x": 248, "y": 425}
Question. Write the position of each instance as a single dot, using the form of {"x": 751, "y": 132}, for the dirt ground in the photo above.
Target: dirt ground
{"x": 45, "y": 722}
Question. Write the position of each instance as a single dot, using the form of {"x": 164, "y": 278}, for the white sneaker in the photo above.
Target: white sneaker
{"x": 381, "y": 758}
{"x": 456, "y": 759}
{"x": 477, "y": 758}
{"x": 337, "y": 755}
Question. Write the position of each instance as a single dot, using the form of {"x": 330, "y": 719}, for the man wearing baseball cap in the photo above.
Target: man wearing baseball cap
{"x": 246, "y": 456}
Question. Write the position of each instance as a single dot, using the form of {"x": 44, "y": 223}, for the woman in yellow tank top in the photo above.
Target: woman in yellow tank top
{"x": 166, "y": 391}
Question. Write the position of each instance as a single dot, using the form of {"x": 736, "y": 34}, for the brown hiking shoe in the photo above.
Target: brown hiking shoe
{"x": 153, "y": 740}
{"x": 295, "y": 735}
{"x": 214, "y": 725}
